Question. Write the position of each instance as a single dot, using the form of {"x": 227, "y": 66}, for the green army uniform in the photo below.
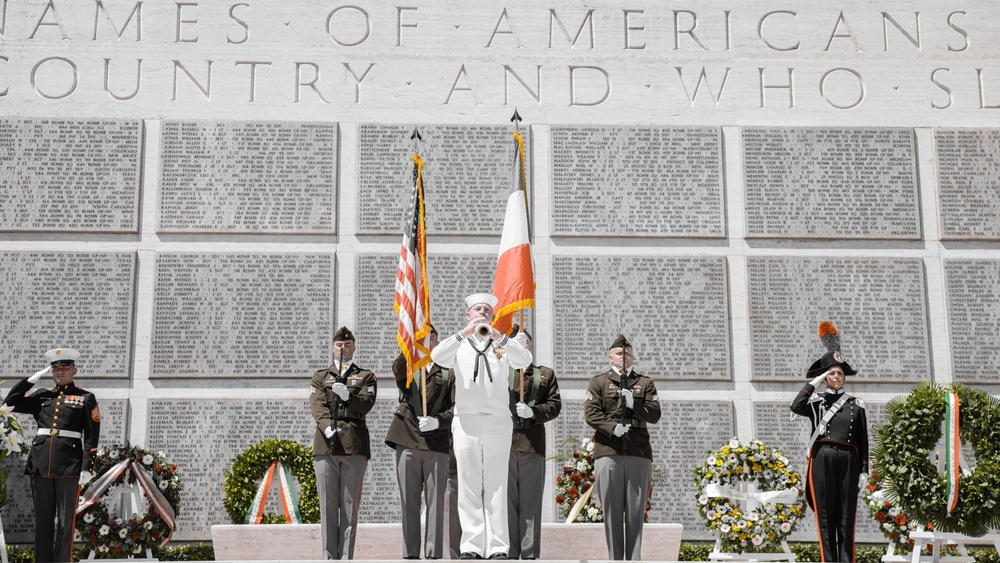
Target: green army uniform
{"x": 623, "y": 466}
{"x": 340, "y": 461}
{"x": 422, "y": 458}
{"x": 526, "y": 483}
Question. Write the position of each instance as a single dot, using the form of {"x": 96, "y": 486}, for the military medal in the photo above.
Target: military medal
{"x": 499, "y": 351}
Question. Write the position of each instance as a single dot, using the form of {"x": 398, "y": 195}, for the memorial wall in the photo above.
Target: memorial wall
{"x": 196, "y": 195}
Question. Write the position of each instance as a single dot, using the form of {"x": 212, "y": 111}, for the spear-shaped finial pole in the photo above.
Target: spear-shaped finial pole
{"x": 516, "y": 120}
{"x": 415, "y": 137}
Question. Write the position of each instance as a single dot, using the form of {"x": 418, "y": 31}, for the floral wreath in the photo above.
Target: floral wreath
{"x": 891, "y": 519}
{"x": 780, "y": 501}
{"x": 12, "y": 442}
{"x": 253, "y": 463}
{"x": 575, "y": 481}
{"x": 909, "y": 478}
{"x": 113, "y": 537}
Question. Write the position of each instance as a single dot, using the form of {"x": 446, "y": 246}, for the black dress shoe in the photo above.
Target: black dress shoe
{"x": 468, "y": 555}
{"x": 412, "y": 557}
{"x": 500, "y": 555}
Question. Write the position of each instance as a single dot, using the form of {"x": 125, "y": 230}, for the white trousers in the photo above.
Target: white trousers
{"x": 482, "y": 452}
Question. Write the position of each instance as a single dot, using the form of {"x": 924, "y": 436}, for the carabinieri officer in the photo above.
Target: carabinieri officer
{"x": 69, "y": 427}
{"x": 838, "y": 449}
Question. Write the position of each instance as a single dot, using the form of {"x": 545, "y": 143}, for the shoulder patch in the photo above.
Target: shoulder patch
{"x": 95, "y": 414}
{"x": 589, "y": 396}
{"x": 313, "y": 390}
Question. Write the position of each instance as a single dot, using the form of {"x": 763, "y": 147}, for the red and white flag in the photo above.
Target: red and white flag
{"x": 514, "y": 284}
{"x": 412, "y": 299}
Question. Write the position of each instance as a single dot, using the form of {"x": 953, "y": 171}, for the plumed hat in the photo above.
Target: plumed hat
{"x": 833, "y": 357}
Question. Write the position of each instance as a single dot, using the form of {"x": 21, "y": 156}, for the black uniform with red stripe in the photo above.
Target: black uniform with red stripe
{"x": 56, "y": 459}
{"x": 836, "y": 461}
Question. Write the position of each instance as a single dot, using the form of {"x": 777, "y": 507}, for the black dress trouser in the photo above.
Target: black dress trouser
{"x": 834, "y": 470}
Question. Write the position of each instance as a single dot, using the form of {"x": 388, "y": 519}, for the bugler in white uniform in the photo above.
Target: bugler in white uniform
{"x": 482, "y": 427}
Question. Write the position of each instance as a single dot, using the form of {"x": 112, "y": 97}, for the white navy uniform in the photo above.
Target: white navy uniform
{"x": 482, "y": 430}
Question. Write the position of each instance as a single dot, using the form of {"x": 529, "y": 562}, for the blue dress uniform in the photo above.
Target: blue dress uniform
{"x": 69, "y": 427}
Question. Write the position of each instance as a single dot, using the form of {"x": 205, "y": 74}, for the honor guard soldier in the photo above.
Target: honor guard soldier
{"x": 421, "y": 439}
{"x": 339, "y": 398}
{"x": 539, "y": 404}
{"x": 69, "y": 427}
{"x": 482, "y": 357}
{"x": 619, "y": 405}
{"x": 838, "y": 448}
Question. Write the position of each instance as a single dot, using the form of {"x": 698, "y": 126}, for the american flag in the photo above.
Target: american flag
{"x": 412, "y": 300}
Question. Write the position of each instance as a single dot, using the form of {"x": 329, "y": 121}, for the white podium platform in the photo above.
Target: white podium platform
{"x": 381, "y": 542}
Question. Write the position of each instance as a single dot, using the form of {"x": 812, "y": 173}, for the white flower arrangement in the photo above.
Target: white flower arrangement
{"x": 770, "y": 523}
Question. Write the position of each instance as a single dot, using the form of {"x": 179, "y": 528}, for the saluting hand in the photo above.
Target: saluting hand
{"x": 340, "y": 390}
{"x": 39, "y": 374}
{"x": 819, "y": 379}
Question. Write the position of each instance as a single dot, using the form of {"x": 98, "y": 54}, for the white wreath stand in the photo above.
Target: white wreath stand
{"x": 937, "y": 540}
{"x": 130, "y": 496}
{"x": 747, "y": 506}
{"x": 3, "y": 544}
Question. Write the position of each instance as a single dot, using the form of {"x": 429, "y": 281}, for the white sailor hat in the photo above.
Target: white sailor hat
{"x": 60, "y": 355}
{"x": 477, "y": 298}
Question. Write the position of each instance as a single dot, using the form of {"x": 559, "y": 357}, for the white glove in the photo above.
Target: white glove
{"x": 340, "y": 390}
{"x": 819, "y": 379}
{"x": 521, "y": 339}
{"x": 621, "y": 429}
{"x": 329, "y": 432}
{"x": 428, "y": 423}
{"x": 629, "y": 399}
{"x": 39, "y": 374}
{"x": 524, "y": 411}
{"x": 862, "y": 481}
{"x": 85, "y": 477}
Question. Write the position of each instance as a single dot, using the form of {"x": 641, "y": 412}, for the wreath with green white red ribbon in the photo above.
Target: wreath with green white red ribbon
{"x": 889, "y": 516}
{"x": 907, "y": 440}
{"x": 779, "y": 497}
{"x": 257, "y": 468}
{"x": 111, "y": 536}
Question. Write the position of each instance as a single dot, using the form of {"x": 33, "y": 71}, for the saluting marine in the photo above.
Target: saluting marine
{"x": 421, "y": 441}
{"x": 619, "y": 405}
{"x": 525, "y": 487}
{"x": 339, "y": 398}
{"x": 838, "y": 449}
{"x": 69, "y": 428}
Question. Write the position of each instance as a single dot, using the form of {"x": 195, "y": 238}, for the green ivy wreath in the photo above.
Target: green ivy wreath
{"x": 761, "y": 529}
{"x": 902, "y": 456}
{"x": 246, "y": 471}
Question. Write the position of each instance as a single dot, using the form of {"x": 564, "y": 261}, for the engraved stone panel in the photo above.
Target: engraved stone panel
{"x": 687, "y": 431}
{"x": 451, "y": 278}
{"x": 774, "y": 427}
{"x": 674, "y": 310}
{"x": 18, "y": 513}
{"x": 968, "y": 161}
{"x": 797, "y": 178}
{"x": 204, "y": 436}
{"x": 637, "y": 181}
{"x": 973, "y": 289}
{"x": 247, "y": 177}
{"x": 467, "y": 176}
{"x": 877, "y": 304}
{"x": 242, "y": 315}
{"x": 70, "y": 175}
{"x": 80, "y": 300}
